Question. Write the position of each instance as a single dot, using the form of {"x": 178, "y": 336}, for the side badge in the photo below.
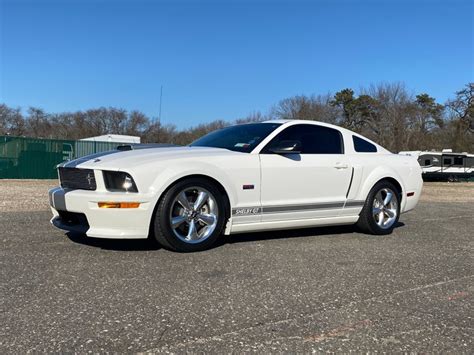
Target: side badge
{"x": 246, "y": 211}
{"x": 248, "y": 187}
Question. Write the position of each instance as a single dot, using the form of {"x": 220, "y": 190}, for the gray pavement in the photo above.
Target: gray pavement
{"x": 322, "y": 289}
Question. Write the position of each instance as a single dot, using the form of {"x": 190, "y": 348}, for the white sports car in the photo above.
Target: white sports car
{"x": 244, "y": 178}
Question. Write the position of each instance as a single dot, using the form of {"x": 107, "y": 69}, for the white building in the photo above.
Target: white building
{"x": 114, "y": 138}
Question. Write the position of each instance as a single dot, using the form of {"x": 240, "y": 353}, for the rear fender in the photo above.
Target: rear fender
{"x": 375, "y": 176}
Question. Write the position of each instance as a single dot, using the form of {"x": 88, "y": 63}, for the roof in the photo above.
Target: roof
{"x": 311, "y": 122}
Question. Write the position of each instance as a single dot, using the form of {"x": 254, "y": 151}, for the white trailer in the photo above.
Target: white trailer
{"x": 445, "y": 165}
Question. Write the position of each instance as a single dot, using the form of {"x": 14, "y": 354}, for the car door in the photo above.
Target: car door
{"x": 310, "y": 184}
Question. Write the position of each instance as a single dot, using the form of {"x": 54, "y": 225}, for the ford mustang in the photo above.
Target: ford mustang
{"x": 243, "y": 178}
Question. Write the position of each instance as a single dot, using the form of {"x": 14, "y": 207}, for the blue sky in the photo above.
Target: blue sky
{"x": 225, "y": 59}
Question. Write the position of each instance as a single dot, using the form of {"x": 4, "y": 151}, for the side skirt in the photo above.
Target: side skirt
{"x": 289, "y": 224}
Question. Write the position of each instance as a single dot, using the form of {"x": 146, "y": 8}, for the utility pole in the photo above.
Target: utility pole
{"x": 161, "y": 97}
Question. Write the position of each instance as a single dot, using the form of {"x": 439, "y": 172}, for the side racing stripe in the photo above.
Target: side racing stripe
{"x": 354, "y": 203}
{"x": 248, "y": 211}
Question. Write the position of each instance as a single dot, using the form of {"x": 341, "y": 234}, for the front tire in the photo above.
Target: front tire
{"x": 381, "y": 210}
{"x": 190, "y": 216}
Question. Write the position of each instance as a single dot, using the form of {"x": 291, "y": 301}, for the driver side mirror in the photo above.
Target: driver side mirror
{"x": 287, "y": 147}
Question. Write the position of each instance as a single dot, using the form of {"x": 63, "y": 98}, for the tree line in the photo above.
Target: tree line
{"x": 386, "y": 113}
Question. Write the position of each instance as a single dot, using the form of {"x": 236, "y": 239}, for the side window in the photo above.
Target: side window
{"x": 447, "y": 161}
{"x": 427, "y": 162}
{"x": 314, "y": 139}
{"x": 362, "y": 146}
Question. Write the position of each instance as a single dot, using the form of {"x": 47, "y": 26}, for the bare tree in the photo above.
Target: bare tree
{"x": 12, "y": 121}
{"x": 386, "y": 113}
{"x": 315, "y": 108}
{"x": 136, "y": 123}
{"x": 252, "y": 118}
{"x": 38, "y": 122}
{"x": 463, "y": 106}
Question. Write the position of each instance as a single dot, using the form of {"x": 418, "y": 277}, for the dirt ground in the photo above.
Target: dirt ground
{"x": 25, "y": 195}
{"x": 32, "y": 195}
{"x": 448, "y": 192}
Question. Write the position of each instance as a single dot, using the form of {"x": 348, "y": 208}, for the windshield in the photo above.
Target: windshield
{"x": 241, "y": 138}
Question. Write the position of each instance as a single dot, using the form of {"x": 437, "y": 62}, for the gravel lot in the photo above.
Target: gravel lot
{"x": 322, "y": 289}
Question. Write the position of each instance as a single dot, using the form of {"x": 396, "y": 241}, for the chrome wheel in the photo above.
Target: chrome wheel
{"x": 194, "y": 215}
{"x": 385, "y": 208}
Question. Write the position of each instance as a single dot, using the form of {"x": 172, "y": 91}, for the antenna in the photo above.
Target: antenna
{"x": 161, "y": 97}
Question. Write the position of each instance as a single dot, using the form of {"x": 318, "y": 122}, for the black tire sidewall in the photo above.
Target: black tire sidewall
{"x": 162, "y": 216}
{"x": 370, "y": 200}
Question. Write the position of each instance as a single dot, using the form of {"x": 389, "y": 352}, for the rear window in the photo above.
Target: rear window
{"x": 362, "y": 146}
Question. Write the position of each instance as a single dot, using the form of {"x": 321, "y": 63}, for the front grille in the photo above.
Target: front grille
{"x": 81, "y": 179}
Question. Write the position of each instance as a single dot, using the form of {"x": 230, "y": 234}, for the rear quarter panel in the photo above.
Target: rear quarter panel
{"x": 371, "y": 168}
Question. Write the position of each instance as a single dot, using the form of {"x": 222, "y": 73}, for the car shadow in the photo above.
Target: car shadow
{"x": 150, "y": 244}
{"x": 293, "y": 233}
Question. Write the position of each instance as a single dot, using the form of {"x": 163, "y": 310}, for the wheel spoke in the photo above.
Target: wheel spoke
{"x": 388, "y": 198}
{"x": 381, "y": 218}
{"x": 208, "y": 219}
{"x": 177, "y": 221}
{"x": 192, "y": 232}
{"x": 391, "y": 213}
{"x": 183, "y": 201}
{"x": 201, "y": 200}
{"x": 379, "y": 198}
{"x": 376, "y": 210}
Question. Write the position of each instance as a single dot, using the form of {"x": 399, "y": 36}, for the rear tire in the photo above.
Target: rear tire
{"x": 453, "y": 178}
{"x": 190, "y": 216}
{"x": 381, "y": 210}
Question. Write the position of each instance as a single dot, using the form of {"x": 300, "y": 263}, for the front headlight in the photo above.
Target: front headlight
{"x": 119, "y": 181}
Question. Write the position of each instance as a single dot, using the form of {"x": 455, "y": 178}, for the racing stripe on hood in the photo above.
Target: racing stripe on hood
{"x": 74, "y": 163}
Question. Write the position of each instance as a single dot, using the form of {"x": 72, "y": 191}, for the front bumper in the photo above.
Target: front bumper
{"x": 78, "y": 211}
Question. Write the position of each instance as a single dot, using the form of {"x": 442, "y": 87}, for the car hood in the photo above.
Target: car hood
{"x": 121, "y": 160}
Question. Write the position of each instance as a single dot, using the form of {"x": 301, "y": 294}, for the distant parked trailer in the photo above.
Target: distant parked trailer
{"x": 444, "y": 165}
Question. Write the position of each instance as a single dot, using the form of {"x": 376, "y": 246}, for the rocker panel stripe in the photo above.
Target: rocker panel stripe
{"x": 248, "y": 211}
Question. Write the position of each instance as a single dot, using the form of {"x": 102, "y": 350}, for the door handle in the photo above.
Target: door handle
{"x": 341, "y": 166}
